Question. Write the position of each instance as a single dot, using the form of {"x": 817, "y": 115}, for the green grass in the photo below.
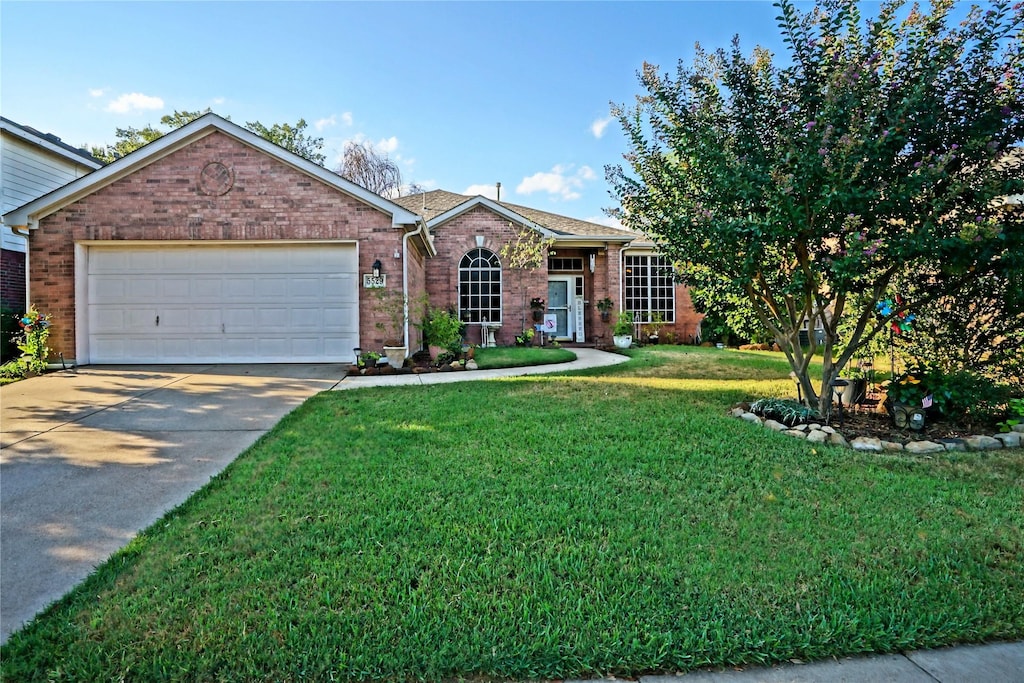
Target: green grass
{"x": 612, "y": 522}
{"x": 520, "y": 356}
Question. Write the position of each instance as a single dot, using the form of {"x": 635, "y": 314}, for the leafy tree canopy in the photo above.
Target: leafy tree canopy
{"x": 879, "y": 152}
{"x": 292, "y": 138}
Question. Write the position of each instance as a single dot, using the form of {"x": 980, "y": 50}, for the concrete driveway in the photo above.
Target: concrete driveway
{"x": 90, "y": 458}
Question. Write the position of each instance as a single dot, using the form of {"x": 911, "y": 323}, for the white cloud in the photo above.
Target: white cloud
{"x": 325, "y": 123}
{"x": 96, "y": 92}
{"x": 606, "y": 220}
{"x": 598, "y": 127}
{"x": 346, "y": 118}
{"x": 560, "y": 182}
{"x": 489, "y": 191}
{"x": 134, "y": 102}
{"x": 217, "y": 101}
{"x": 387, "y": 145}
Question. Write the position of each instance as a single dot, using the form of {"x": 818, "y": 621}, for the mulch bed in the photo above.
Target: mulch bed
{"x": 870, "y": 420}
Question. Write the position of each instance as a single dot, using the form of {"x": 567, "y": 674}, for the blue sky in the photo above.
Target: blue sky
{"x": 461, "y": 94}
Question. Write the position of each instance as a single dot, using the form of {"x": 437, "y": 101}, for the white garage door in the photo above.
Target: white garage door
{"x": 255, "y": 303}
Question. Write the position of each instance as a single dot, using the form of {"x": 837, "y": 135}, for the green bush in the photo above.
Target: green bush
{"x": 787, "y": 412}
{"x": 958, "y": 392}
{"x": 442, "y": 328}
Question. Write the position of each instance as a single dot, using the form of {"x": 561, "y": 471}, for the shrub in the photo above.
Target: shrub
{"x": 787, "y": 412}
{"x": 958, "y": 392}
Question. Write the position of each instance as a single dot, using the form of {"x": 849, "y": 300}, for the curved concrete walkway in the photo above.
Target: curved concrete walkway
{"x": 585, "y": 358}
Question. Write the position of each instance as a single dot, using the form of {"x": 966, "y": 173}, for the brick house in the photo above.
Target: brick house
{"x": 587, "y": 262}
{"x": 212, "y": 244}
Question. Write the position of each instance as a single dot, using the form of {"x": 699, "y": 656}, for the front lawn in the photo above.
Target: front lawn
{"x": 608, "y": 522}
{"x": 520, "y": 356}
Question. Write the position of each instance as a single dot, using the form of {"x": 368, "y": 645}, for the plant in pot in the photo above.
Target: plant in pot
{"x": 442, "y": 331}
{"x": 605, "y": 307}
{"x": 857, "y": 385}
{"x": 653, "y": 329}
{"x": 622, "y": 332}
{"x": 392, "y": 305}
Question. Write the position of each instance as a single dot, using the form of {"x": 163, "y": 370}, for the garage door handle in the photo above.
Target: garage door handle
{"x": 158, "y": 321}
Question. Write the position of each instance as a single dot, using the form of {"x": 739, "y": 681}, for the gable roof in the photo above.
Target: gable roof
{"x": 30, "y": 214}
{"x": 439, "y": 206}
{"x": 50, "y": 143}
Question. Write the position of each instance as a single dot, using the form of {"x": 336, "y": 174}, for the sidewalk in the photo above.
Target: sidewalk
{"x": 991, "y": 663}
{"x": 585, "y": 358}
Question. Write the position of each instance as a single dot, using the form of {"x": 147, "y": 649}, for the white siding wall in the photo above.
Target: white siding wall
{"x": 28, "y": 172}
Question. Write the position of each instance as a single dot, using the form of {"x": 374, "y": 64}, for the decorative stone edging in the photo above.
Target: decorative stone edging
{"x": 818, "y": 433}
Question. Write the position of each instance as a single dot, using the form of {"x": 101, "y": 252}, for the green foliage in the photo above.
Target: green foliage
{"x": 442, "y": 327}
{"x": 980, "y": 329}
{"x": 130, "y": 139}
{"x": 1015, "y": 406}
{"x": 960, "y": 392}
{"x": 32, "y": 341}
{"x": 395, "y": 306}
{"x": 785, "y": 411}
{"x": 368, "y": 359}
{"x": 878, "y": 152}
{"x": 623, "y": 324}
{"x": 605, "y": 305}
{"x": 292, "y": 138}
{"x": 526, "y": 337}
{"x": 445, "y": 358}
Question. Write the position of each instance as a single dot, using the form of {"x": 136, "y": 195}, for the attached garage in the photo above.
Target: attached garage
{"x": 243, "y": 303}
{"x": 214, "y": 245}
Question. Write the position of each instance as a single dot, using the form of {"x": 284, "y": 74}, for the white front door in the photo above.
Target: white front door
{"x": 226, "y": 303}
{"x": 560, "y": 291}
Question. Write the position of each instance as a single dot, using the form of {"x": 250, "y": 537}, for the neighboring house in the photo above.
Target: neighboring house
{"x": 212, "y": 244}
{"x": 31, "y": 164}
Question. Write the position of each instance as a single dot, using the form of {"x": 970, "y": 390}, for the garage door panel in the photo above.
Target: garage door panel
{"x": 339, "y": 318}
{"x": 224, "y": 303}
{"x": 340, "y": 287}
{"x": 200, "y": 288}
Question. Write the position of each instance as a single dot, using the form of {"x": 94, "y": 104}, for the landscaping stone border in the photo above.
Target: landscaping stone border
{"x": 819, "y": 433}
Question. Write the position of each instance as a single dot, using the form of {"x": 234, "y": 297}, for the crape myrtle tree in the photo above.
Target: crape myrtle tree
{"x": 877, "y": 152}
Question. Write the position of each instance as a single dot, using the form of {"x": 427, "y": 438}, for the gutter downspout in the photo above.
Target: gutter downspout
{"x": 405, "y": 276}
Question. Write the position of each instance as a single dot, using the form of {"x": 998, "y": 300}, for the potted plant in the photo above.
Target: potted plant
{"x": 622, "y": 332}
{"x": 654, "y": 327}
{"x": 442, "y": 331}
{"x": 605, "y": 307}
{"x": 393, "y": 305}
{"x": 857, "y": 385}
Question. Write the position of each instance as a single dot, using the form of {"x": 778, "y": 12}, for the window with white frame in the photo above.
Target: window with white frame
{"x": 649, "y": 287}
{"x": 480, "y": 287}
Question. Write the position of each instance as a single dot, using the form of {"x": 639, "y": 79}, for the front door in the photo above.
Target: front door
{"x": 560, "y": 305}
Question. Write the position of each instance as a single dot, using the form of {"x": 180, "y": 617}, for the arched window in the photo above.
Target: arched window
{"x": 480, "y": 287}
